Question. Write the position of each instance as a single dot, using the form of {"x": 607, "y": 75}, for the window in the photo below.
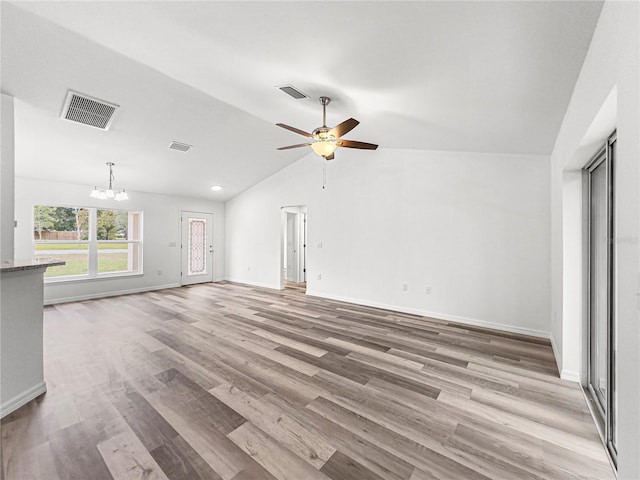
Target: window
{"x": 94, "y": 242}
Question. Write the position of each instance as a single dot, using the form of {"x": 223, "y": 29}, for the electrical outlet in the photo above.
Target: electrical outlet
{"x": 427, "y": 290}
{"x": 319, "y": 276}
{"x": 405, "y": 287}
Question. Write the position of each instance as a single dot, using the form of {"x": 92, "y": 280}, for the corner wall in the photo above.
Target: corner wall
{"x": 7, "y": 170}
{"x": 473, "y": 227}
{"x": 161, "y": 219}
{"x": 608, "y": 83}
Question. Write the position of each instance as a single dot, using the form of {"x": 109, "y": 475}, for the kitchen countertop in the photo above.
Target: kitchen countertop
{"x": 30, "y": 264}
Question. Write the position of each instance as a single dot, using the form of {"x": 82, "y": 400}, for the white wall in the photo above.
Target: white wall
{"x": 473, "y": 227}
{"x": 161, "y": 217}
{"x": 7, "y": 178}
{"x": 572, "y": 275}
{"x": 611, "y": 70}
{"x": 21, "y": 354}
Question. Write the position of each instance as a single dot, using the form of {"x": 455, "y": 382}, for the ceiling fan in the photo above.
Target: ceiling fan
{"x": 325, "y": 139}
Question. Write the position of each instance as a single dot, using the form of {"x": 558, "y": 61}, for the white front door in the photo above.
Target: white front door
{"x": 197, "y": 247}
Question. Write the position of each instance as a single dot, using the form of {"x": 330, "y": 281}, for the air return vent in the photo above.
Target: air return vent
{"x": 82, "y": 108}
{"x": 294, "y": 92}
{"x": 181, "y": 147}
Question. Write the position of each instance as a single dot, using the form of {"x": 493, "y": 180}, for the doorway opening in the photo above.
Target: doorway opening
{"x": 601, "y": 342}
{"x": 293, "y": 251}
{"x": 197, "y": 248}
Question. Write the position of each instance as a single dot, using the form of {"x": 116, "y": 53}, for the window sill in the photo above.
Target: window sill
{"x": 84, "y": 278}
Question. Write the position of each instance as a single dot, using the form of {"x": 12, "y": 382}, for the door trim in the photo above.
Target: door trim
{"x": 210, "y": 276}
{"x": 301, "y": 213}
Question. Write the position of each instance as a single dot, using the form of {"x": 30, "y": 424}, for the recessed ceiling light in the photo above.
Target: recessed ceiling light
{"x": 216, "y": 188}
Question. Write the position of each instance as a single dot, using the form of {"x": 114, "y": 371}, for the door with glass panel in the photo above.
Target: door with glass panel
{"x": 602, "y": 341}
{"x": 197, "y": 247}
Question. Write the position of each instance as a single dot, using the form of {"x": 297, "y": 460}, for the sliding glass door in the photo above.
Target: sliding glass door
{"x": 602, "y": 341}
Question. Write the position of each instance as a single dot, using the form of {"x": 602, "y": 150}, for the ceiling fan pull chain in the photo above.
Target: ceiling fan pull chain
{"x": 324, "y": 173}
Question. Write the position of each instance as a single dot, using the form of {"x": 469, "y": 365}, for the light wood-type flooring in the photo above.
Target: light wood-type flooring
{"x": 224, "y": 381}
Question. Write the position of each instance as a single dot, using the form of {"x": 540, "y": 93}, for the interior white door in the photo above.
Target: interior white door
{"x": 197, "y": 247}
{"x": 303, "y": 243}
{"x": 292, "y": 247}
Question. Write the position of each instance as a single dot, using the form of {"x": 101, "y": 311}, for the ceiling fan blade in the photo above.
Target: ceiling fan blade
{"x": 354, "y": 144}
{"x": 344, "y": 127}
{"x": 295, "y": 130}
{"x": 330, "y": 157}
{"x": 294, "y": 146}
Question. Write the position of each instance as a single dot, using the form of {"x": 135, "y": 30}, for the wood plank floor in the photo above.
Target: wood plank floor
{"x": 223, "y": 381}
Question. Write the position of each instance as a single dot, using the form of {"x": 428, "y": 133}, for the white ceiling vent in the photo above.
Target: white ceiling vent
{"x": 82, "y": 108}
{"x": 181, "y": 147}
{"x": 293, "y": 91}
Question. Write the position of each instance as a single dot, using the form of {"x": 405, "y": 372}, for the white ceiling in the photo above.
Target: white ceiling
{"x": 462, "y": 76}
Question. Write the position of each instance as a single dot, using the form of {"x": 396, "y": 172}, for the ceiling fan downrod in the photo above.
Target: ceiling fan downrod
{"x": 324, "y": 101}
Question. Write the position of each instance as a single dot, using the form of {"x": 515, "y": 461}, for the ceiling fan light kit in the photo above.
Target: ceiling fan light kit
{"x": 326, "y": 140}
{"x": 324, "y": 148}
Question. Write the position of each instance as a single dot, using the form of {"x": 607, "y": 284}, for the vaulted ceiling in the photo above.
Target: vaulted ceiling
{"x": 464, "y": 76}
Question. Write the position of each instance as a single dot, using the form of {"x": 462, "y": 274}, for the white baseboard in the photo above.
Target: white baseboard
{"x": 92, "y": 296}
{"x": 254, "y": 284}
{"x": 565, "y": 374}
{"x": 556, "y": 354}
{"x": 570, "y": 376}
{"x": 19, "y": 400}
{"x": 440, "y": 316}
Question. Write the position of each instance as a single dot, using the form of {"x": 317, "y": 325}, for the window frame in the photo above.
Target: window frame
{"x": 93, "y": 247}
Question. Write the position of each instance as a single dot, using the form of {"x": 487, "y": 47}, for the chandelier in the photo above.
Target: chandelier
{"x": 104, "y": 194}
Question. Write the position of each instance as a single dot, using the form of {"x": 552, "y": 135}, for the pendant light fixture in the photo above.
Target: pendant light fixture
{"x": 109, "y": 193}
